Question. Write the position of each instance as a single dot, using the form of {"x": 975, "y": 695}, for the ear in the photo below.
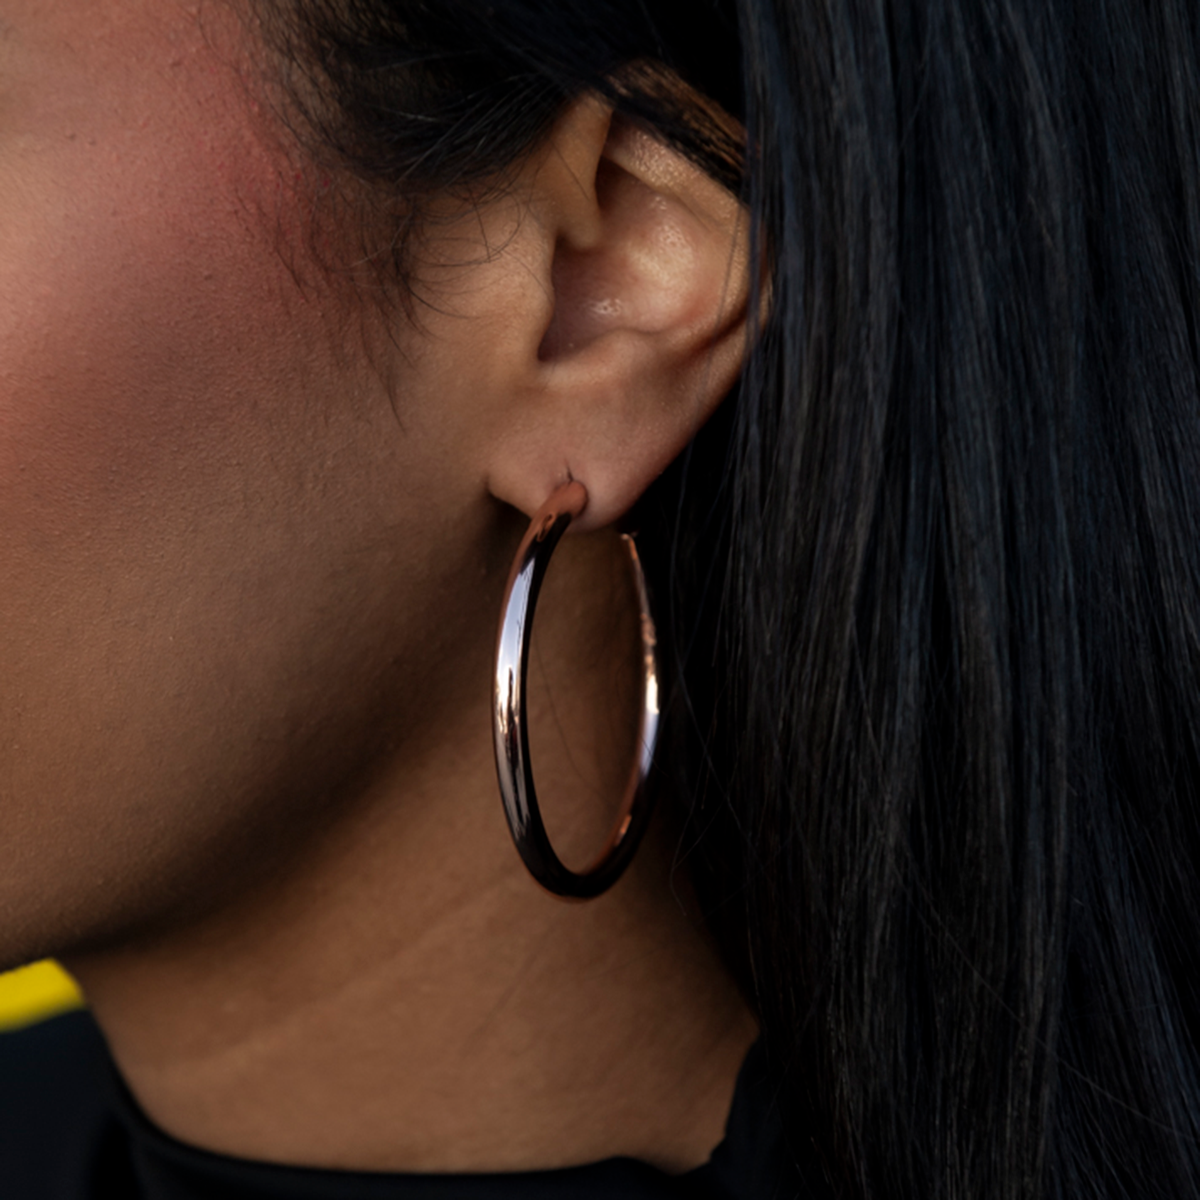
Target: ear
{"x": 638, "y": 326}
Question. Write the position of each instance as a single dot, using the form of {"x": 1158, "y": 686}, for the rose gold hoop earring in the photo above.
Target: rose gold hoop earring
{"x": 509, "y": 726}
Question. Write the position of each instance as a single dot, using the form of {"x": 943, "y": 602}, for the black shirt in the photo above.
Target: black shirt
{"x": 69, "y": 1130}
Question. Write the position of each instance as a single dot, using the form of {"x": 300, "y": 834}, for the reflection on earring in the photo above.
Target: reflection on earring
{"x": 509, "y": 725}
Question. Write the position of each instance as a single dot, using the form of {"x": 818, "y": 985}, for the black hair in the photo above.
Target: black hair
{"x": 930, "y": 582}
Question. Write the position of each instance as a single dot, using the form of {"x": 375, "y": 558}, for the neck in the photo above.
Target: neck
{"x": 403, "y": 997}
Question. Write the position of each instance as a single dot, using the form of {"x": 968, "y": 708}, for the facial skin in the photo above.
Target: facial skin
{"x": 185, "y": 507}
{"x": 145, "y": 330}
{"x": 253, "y": 544}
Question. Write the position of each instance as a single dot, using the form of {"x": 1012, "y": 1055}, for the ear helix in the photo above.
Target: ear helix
{"x": 509, "y": 725}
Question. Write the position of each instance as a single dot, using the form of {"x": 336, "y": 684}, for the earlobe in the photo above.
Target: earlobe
{"x": 647, "y": 268}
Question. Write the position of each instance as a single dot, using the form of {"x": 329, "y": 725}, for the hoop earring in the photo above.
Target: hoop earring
{"x": 510, "y": 728}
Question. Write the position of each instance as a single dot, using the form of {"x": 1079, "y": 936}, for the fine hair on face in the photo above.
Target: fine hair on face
{"x": 927, "y": 581}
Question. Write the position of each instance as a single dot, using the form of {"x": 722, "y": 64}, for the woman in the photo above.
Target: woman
{"x": 309, "y": 309}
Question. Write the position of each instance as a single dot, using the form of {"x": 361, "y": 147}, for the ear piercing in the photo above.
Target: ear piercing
{"x": 510, "y": 727}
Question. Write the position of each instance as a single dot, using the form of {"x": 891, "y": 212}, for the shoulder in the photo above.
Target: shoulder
{"x": 58, "y": 1136}
{"x": 751, "y": 1163}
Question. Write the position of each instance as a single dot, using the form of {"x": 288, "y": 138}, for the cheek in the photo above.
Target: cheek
{"x": 224, "y": 587}
{"x": 151, "y": 365}
{"x": 160, "y": 499}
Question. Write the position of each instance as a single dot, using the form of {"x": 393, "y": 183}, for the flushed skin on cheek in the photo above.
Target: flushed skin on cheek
{"x": 205, "y": 619}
